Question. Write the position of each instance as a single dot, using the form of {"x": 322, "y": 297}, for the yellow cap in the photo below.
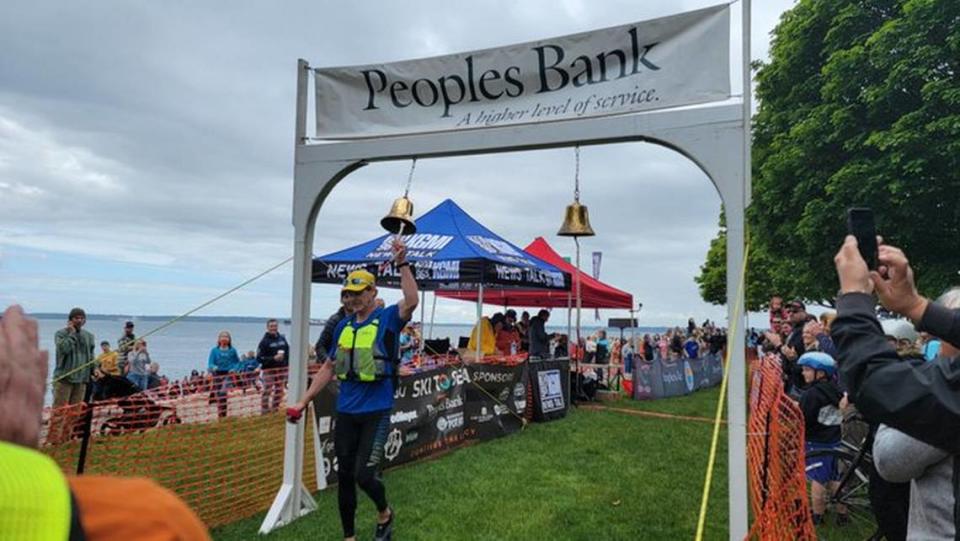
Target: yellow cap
{"x": 358, "y": 280}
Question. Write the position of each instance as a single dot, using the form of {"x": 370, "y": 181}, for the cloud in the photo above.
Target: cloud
{"x": 155, "y": 136}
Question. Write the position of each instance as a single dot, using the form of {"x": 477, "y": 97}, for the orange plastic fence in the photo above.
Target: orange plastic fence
{"x": 217, "y": 442}
{"x": 775, "y": 458}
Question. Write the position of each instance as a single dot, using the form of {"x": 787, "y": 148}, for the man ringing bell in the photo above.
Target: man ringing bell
{"x": 364, "y": 358}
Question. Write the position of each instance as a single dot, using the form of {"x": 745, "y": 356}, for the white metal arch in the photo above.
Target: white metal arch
{"x": 712, "y": 137}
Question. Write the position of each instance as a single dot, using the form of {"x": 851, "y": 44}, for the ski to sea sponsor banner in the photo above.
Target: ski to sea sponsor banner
{"x": 488, "y": 418}
{"x": 439, "y": 409}
{"x": 428, "y": 414}
{"x": 324, "y": 405}
{"x": 678, "y": 60}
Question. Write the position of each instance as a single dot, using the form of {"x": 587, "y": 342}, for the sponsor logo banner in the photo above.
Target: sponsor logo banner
{"x": 491, "y": 411}
{"x": 419, "y": 246}
{"x": 443, "y": 407}
{"x": 667, "y": 62}
{"x": 550, "y": 388}
{"x": 509, "y": 274}
{"x": 551, "y": 391}
{"x": 674, "y": 379}
{"x": 658, "y": 379}
{"x": 688, "y": 378}
{"x": 427, "y": 413}
{"x": 427, "y": 270}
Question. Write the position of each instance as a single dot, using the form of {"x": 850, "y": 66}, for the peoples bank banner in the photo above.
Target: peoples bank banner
{"x": 668, "y": 62}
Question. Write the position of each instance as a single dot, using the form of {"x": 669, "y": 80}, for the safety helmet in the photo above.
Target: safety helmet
{"x": 818, "y": 360}
{"x": 900, "y": 329}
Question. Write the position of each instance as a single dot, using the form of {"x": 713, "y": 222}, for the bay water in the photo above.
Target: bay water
{"x": 185, "y": 345}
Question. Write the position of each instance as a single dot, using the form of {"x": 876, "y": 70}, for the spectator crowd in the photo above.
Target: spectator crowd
{"x": 878, "y": 373}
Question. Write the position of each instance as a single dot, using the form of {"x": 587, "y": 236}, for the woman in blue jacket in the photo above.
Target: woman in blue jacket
{"x": 222, "y": 360}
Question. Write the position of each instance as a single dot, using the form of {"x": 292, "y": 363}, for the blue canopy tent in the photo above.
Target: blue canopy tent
{"x": 450, "y": 251}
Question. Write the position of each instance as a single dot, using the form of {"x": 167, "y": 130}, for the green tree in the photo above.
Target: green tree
{"x": 712, "y": 279}
{"x": 859, "y": 105}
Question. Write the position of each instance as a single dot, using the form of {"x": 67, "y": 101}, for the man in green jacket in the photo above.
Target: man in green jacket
{"x": 74, "y": 360}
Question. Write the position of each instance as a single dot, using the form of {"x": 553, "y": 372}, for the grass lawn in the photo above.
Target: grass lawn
{"x": 594, "y": 475}
{"x": 699, "y": 404}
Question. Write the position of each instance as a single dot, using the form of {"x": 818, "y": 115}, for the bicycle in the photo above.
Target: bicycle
{"x": 854, "y": 464}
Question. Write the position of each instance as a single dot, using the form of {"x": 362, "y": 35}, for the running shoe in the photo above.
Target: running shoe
{"x": 385, "y": 530}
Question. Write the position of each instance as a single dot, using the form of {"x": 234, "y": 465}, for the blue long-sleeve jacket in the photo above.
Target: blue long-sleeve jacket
{"x": 223, "y": 360}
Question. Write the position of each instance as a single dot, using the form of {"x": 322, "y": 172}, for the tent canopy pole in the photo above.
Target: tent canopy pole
{"x": 433, "y": 313}
{"x": 423, "y": 311}
{"x": 479, "y": 321}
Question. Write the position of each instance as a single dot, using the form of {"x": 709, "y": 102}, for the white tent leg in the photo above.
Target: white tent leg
{"x": 576, "y": 241}
{"x": 479, "y": 322}
{"x": 423, "y": 311}
{"x": 433, "y": 313}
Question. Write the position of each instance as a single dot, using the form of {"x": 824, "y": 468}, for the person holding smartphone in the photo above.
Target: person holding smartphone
{"x": 74, "y": 350}
{"x": 927, "y": 400}
{"x": 74, "y": 366}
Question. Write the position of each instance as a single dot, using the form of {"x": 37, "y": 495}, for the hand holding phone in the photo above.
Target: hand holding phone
{"x": 860, "y": 224}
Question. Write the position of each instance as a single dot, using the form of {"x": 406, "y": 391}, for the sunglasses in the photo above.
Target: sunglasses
{"x": 355, "y": 282}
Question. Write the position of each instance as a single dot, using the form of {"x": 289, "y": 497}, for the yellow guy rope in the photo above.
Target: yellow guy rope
{"x": 734, "y": 334}
{"x": 178, "y": 318}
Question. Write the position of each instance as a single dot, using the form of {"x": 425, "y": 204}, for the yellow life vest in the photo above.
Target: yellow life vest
{"x": 358, "y": 356}
{"x": 34, "y": 496}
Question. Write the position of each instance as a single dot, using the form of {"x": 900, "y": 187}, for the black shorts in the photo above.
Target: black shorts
{"x": 359, "y": 439}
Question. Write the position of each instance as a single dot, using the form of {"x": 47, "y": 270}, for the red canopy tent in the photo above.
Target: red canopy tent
{"x": 593, "y": 293}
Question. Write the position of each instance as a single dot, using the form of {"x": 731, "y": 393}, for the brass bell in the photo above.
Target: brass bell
{"x": 400, "y": 218}
{"x": 576, "y": 222}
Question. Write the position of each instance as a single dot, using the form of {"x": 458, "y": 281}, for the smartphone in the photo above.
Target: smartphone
{"x": 860, "y": 225}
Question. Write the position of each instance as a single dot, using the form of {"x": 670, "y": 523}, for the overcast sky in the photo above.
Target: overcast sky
{"x": 146, "y": 154}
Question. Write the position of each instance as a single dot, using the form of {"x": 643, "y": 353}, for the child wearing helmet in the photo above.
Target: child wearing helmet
{"x": 820, "y": 404}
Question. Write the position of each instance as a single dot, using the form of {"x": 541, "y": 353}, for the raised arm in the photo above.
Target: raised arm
{"x": 941, "y": 322}
{"x": 918, "y": 399}
{"x": 898, "y": 293}
{"x": 408, "y": 283}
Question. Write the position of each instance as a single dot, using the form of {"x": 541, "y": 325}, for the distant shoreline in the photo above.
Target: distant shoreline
{"x": 121, "y": 317}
